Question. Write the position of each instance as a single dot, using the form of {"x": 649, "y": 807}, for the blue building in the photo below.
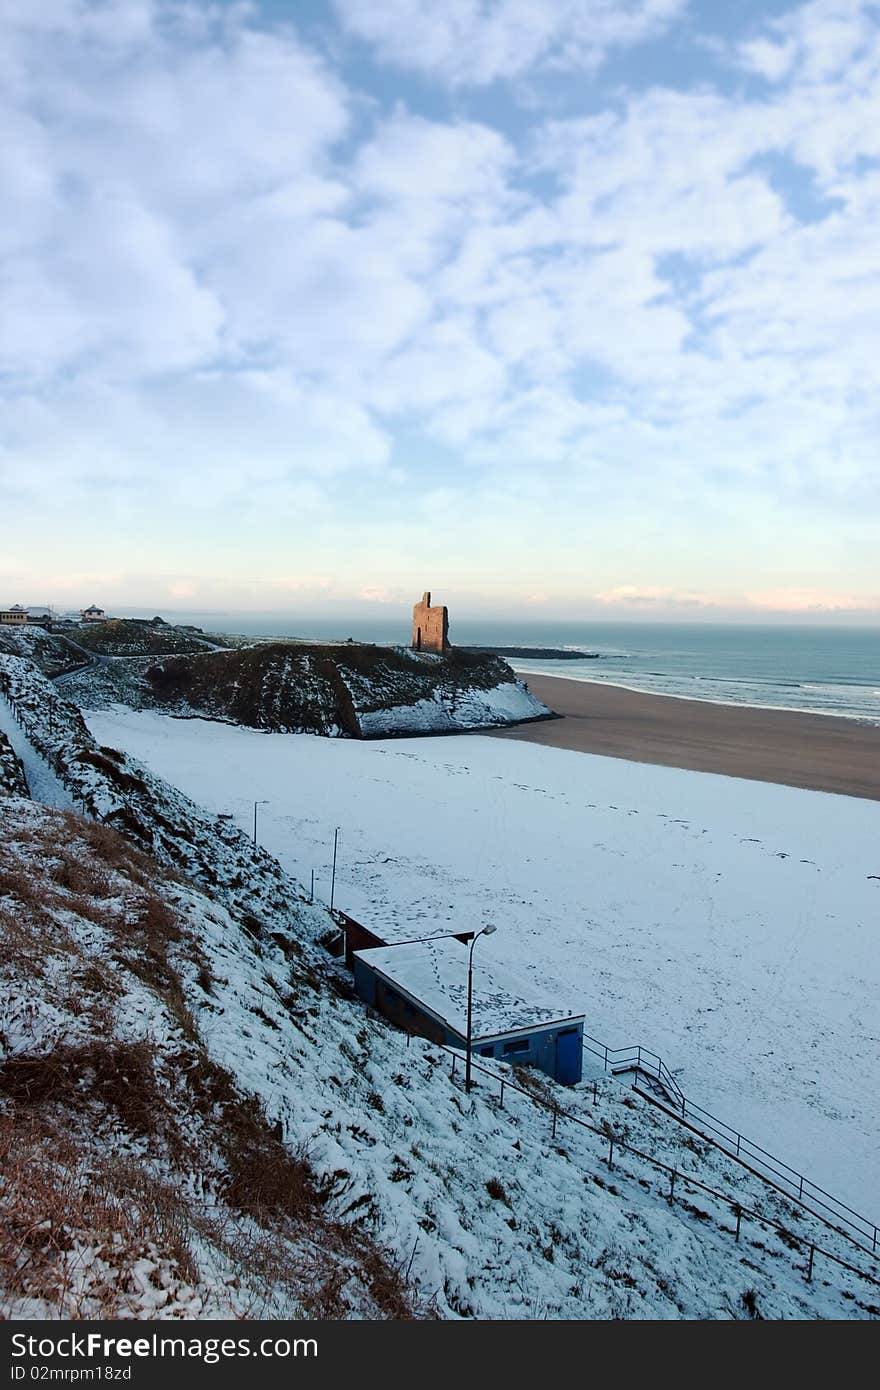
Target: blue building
{"x": 422, "y": 987}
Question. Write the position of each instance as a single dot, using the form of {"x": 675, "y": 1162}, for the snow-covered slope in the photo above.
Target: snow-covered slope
{"x": 12, "y": 778}
{"x": 732, "y": 926}
{"x": 351, "y": 690}
{"x": 128, "y": 983}
{"x": 66, "y": 767}
{"x": 137, "y": 1177}
{"x": 130, "y": 1003}
{"x": 506, "y": 703}
{"x": 50, "y": 652}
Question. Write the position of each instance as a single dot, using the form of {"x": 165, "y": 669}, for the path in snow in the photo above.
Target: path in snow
{"x": 733, "y": 926}
{"x": 44, "y": 783}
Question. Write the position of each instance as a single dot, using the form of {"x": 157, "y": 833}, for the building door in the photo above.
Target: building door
{"x": 568, "y": 1057}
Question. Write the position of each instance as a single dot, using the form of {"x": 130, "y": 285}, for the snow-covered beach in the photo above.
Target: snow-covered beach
{"x": 730, "y": 925}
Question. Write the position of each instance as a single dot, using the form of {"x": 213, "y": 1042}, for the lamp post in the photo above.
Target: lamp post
{"x": 333, "y": 874}
{"x": 256, "y": 804}
{"x": 486, "y": 931}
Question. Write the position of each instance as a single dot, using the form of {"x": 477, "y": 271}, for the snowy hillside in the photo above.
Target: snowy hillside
{"x": 12, "y": 778}
{"x": 50, "y": 652}
{"x": 343, "y": 1171}
{"x": 348, "y": 690}
{"x": 129, "y": 637}
{"x": 138, "y": 1180}
{"x": 731, "y": 926}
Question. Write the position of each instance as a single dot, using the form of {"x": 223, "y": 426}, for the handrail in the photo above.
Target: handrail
{"x": 619, "y": 1144}
{"x": 799, "y": 1188}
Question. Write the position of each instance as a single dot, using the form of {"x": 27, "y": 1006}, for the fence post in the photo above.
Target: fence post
{"x": 555, "y": 1113}
{"x": 452, "y": 1073}
{"x": 610, "y": 1151}
{"x": 738, "y": 1213}
{"x": 673, "y": 1175}
{"x": 801, "y": 1190}
{"x": 595, "y": 1095}
{"x": 810, "y": 1266}
{"x": 502, "y": 1093}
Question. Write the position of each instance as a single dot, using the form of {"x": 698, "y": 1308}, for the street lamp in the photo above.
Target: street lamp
{"x": 333, "y": 874}
{"x": 486, "y": 931}
{"x": 441, "y": 936}
{"x": 256, "y": 804}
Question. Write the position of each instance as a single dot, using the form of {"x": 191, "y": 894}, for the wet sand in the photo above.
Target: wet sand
{"x": 799, "y": 750}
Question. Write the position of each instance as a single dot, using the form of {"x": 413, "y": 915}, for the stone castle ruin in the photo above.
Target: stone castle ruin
{"x": 430, "y": 627}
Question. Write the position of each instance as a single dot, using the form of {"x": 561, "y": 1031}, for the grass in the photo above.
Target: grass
{"x": 76, "y": 1107}
{"x": 287, "y": 686}
{"x": 116, "y": 1075}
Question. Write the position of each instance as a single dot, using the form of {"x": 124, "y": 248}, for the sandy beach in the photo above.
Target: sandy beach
{"x": 815, "y": 751}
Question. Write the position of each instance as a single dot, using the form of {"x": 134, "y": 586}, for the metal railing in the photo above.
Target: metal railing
{"x": 788, "y": 1180}
{"x": 617, "y": 1144}
{"x": 638, "y": 1059}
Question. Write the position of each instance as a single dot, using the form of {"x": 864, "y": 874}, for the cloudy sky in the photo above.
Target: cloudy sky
{"x": 318, "y": 302}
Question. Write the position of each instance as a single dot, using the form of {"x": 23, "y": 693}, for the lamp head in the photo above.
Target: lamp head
{"x": 487, "y": 931}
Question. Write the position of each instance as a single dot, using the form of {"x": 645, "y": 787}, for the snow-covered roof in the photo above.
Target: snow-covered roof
{"x": 433, "y": 975}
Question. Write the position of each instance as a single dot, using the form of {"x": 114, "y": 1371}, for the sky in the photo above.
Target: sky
{"x": 564, "y": 304}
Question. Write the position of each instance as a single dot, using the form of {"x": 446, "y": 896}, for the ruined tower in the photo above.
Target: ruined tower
{"x": 430, "y": 627}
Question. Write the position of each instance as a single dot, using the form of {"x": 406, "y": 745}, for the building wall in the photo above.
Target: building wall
{"x": 557, "y": 1051}
{"x": 7, "y": 616}
{"x": 357, "y": 938}
{"x": 430, "y": 626}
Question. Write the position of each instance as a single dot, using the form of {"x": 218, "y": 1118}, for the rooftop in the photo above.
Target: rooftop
{"x": 434, "y": 975}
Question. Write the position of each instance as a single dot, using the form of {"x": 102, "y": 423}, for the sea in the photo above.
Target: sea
{"x": 818, "y": 669}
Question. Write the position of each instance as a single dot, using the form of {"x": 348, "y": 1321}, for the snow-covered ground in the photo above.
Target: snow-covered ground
{"x": 732, "y": 926}
{"x": 467, "y": 709}
{"x": 43, "y": 782}
{"x": 133, "y": 1001}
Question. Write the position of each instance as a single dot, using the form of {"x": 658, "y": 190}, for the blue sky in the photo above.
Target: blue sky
{"x": 566, "y": 303}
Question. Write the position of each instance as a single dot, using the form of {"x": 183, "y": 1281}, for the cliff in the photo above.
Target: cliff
{"x": 347, "y": 690}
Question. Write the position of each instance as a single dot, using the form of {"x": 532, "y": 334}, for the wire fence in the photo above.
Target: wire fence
{"x": 676, "y": 1178}
{"x": 863, "y": 1231}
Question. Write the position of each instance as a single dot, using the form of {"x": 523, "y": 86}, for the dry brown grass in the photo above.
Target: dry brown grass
{"x": 80, "y": 876}
{"x": 277, "y": 1188}
{"x": 268, "y": 1213}
{"x": 54, "y": 1208}
{"x": 119, "y": 1076}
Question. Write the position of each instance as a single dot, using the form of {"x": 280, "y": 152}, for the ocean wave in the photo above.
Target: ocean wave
{"x": 839, "y": 700}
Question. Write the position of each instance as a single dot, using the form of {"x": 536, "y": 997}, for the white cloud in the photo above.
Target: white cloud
{"x": 646, "y": 596}
{"x": 822, "y": 39}
{"x": 480, "y": 41}
{"x": 227, "y": 281}
{"x": 813, "y": 601}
